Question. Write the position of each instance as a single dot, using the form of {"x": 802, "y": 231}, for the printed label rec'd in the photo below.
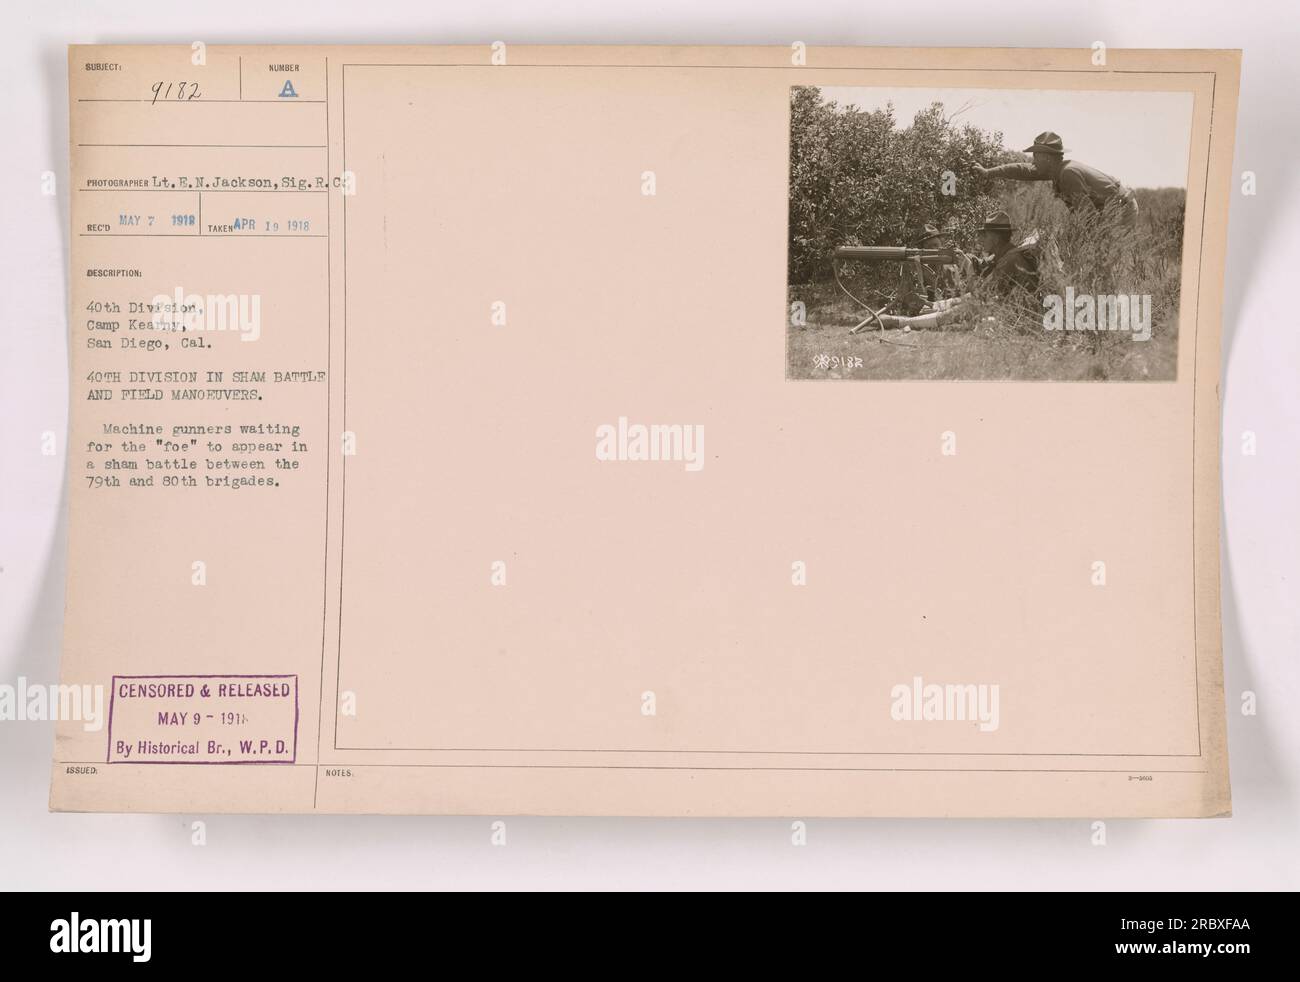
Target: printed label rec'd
{"x": 203, "y": 719}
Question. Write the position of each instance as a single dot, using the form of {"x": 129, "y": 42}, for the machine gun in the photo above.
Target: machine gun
{"x": 897, "y": 254}
{"x": 920, "y": 279}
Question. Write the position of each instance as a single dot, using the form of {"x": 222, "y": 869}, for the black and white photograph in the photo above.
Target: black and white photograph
{"x": 979, "y": 234}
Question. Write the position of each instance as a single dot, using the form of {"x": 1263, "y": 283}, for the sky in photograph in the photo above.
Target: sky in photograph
{"x": 1141, "y": 138}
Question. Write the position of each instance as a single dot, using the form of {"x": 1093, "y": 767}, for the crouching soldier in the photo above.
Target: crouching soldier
{"x": 1011, "y": 272}
{"x": 1078, "y": 185}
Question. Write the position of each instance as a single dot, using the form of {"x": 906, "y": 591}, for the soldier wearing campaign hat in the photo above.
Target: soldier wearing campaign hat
{"x": 1007, "y": 267}
{"x": 928, "y": 237}
{"x": 1077, "y": 184}
{"x": 1009, "y": 270}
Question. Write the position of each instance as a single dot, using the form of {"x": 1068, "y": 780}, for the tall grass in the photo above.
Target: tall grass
{"x": 1092, "y": 252}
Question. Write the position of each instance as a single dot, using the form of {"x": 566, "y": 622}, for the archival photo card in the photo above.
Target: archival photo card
{"x": 434, "y": 450}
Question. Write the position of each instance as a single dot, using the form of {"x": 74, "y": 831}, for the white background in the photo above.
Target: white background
{"x": 1255, "y": 849}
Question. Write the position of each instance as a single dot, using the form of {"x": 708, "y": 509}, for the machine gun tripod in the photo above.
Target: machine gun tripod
{"x": 923, "y": 276}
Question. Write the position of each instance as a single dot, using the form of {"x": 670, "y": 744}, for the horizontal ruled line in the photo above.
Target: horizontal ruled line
{"x": 212, "y": 146}
{"x": 179, "y": 102}
{"x": 198, "y": 235}
{"x": 212, "y": 190}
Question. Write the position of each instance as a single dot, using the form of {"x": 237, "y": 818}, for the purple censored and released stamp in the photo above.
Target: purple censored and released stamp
{"x": 203, "y": 719}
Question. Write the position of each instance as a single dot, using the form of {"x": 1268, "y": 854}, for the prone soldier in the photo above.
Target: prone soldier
{"x": 1009, "y": 270}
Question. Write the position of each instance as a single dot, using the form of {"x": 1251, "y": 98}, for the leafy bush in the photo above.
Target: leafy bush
{"x": 856, "y": 178}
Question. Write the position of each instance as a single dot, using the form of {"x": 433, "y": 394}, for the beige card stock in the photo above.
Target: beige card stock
{"x": 454, "y": 431}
